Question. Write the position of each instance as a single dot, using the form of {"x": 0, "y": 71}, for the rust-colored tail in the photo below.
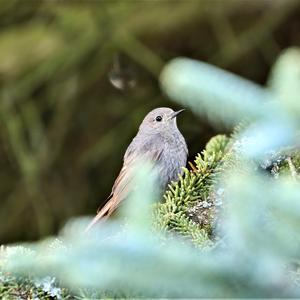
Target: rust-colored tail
{"x": 104, "y": 211}
{"x": 119, "y": 192}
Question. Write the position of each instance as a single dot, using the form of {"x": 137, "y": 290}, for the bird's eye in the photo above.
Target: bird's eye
{"x": 158, "y": 118}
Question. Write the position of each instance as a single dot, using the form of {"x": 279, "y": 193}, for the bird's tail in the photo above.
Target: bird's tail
{"x": 100, "y": 215}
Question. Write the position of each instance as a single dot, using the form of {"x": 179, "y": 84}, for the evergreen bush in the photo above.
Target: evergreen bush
{"x": 227, "y": 228}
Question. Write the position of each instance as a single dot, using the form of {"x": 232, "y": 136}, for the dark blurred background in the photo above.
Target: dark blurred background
{"x": 77, "y": 78}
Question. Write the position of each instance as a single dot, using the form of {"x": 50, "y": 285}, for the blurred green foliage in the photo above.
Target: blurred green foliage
{"x": 246, "y": 187}
{"x": 64, "y": 127}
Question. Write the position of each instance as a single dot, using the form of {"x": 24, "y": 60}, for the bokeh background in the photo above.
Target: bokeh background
{"x": 77, "y": 78}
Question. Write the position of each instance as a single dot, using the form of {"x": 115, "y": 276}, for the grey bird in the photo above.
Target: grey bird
{"x": 158, "y": 141}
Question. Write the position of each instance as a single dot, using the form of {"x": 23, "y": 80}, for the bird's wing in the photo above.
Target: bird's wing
{"x": 123, "y": 184}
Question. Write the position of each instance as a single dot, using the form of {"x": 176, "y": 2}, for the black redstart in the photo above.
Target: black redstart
{"x": 158, "y": 141}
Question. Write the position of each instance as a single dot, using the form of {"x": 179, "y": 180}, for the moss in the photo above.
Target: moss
{"x": 16, "y": 287}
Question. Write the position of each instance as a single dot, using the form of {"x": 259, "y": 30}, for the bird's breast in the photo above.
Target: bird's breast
{"x": 172, "y": 159}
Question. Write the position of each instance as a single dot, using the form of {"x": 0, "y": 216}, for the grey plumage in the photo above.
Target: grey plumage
{"x": 159, "y": 141}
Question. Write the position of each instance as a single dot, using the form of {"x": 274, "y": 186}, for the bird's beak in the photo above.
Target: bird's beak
{"x": 176, "y": 113}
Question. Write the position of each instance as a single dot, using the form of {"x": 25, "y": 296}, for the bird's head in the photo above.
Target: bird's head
{"x": 160, "y": 120}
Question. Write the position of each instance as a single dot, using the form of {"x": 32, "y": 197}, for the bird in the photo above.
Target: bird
{"x": 158, "y": 141}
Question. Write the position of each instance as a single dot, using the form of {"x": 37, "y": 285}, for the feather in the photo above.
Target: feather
{"x": 123, "y": 184}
